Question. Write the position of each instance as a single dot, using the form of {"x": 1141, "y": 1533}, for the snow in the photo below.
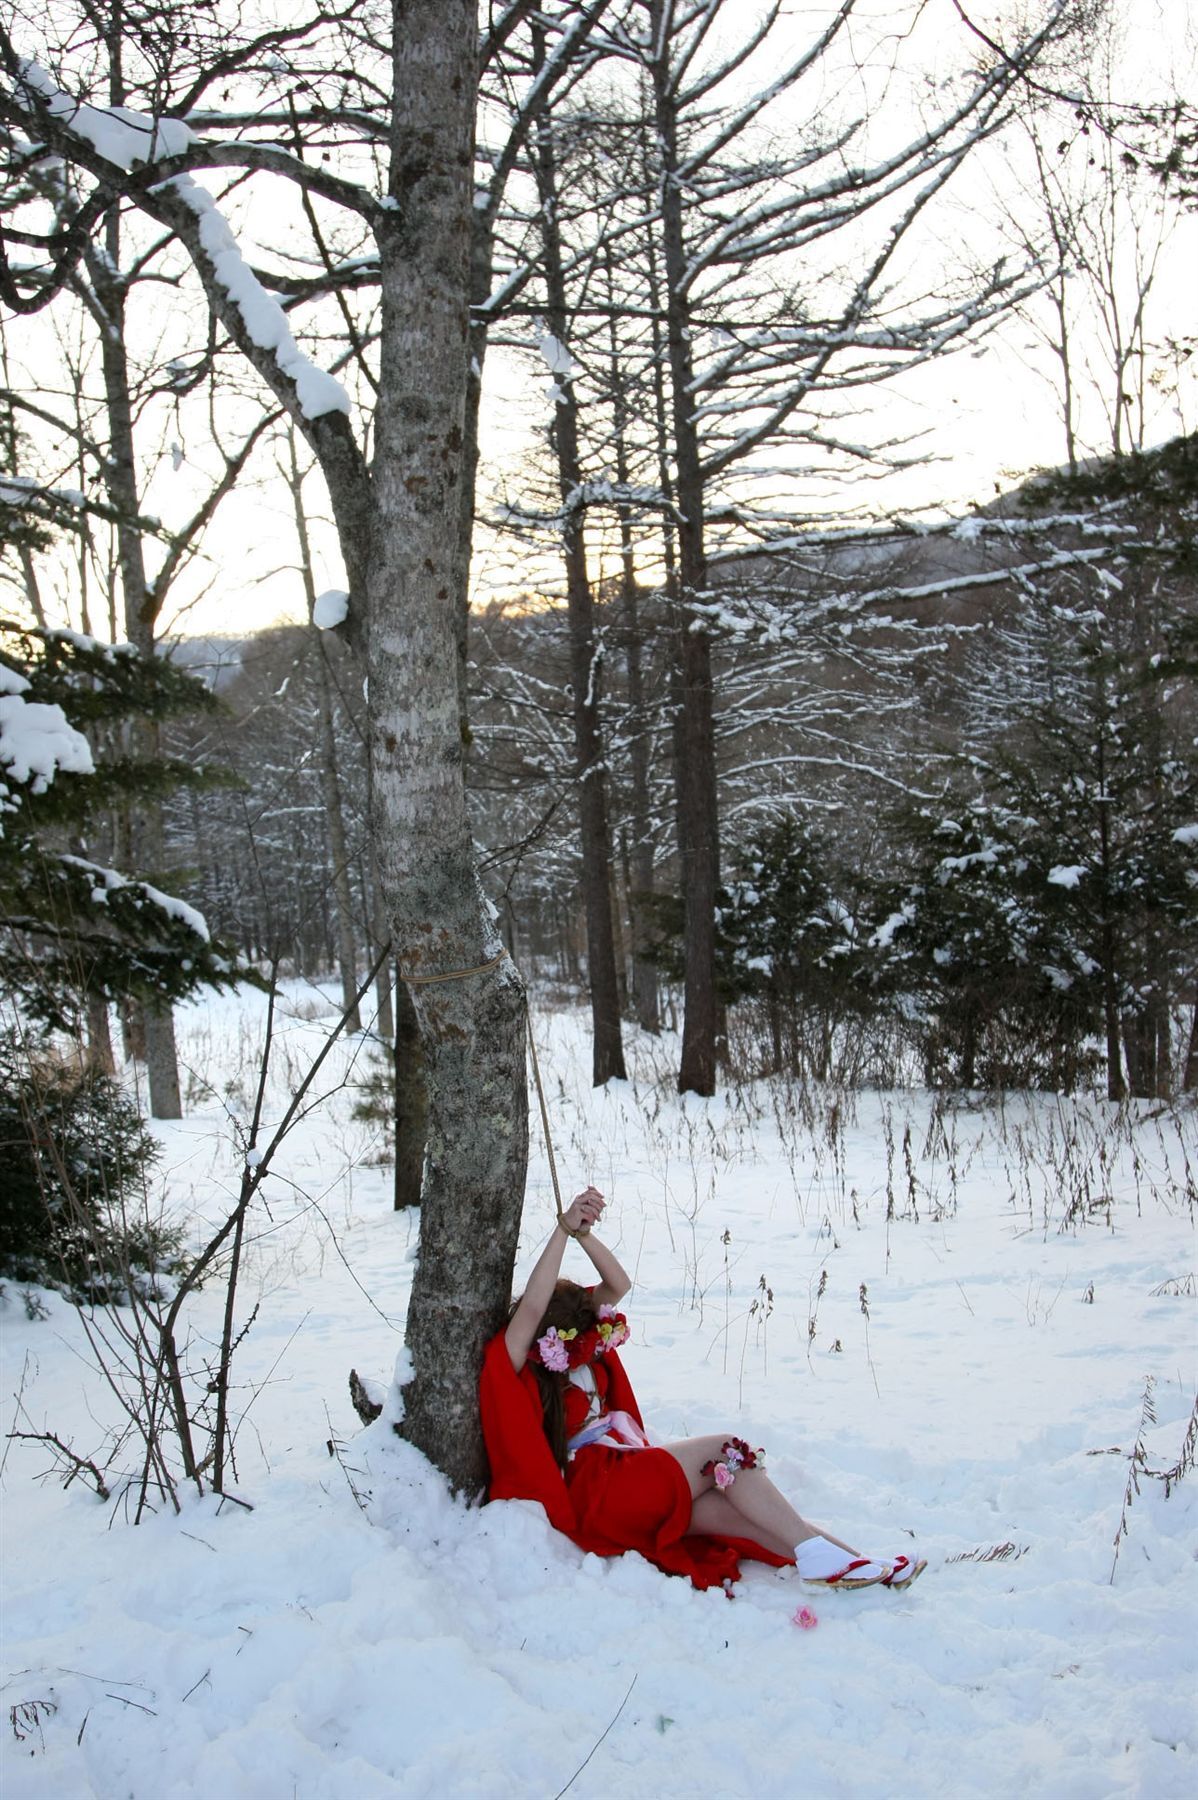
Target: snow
{"x": 37, "y": 740}
{"x": 1066, "y": 875}
{"x": 331, "y": 608}
{"x": 1186, "y": 834}
{"x": 121, "y": 136}
{"x": 126, "y": 138}
{"x": 265, "y": 320}
{"x": 108, "y": 881}
{"x": 1026, "y": 1284}
{"x": 557, "y": 358}
{"x": 22, "y": 490}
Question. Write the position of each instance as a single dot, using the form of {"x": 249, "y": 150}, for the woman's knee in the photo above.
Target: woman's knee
{"x": 693, "y": 1454}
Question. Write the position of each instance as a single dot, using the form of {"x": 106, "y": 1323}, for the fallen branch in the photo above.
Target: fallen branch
{"x": 80, "y": 1464}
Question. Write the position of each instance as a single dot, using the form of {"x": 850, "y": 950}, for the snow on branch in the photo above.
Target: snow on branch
{"x": 36, "y": 741}
{"x": 122, "y": 137}
{"x": 129, "y": 139}
{"x": 109, "y": 881}
{"x": 265, "y": 320}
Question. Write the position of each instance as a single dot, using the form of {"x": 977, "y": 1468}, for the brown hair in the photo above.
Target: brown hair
{"x": 571, "y": 1308}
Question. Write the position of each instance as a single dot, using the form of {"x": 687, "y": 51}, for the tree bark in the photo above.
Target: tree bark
{"x": 1189, "y": 1079}
{"x": 144, "y": 828}
{"x": 1116, "y": 1087}
{"x": 411, "y": 1103}
{"x": 640, "y": 872}
{"x": 473, "y": 1027}
{"x": 99, "y": 1035}
{"x": 696, "y": 763}
{"x": 590, "y": 768}
{"x": 330, "y": 784}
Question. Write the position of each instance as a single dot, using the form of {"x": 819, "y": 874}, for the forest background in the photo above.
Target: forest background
{"x": 743, "y": 731}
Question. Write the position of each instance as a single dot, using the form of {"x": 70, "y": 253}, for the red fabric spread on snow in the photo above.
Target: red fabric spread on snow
{"x": 523, "y": 1468}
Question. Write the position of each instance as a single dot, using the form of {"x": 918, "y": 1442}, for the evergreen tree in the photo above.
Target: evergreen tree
{"x": 971, "y": 961}
{"x": 70, "y": 927}
{"x": 784, "y": 934}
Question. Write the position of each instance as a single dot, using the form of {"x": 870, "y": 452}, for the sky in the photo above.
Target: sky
{"x": 980, "y": 419}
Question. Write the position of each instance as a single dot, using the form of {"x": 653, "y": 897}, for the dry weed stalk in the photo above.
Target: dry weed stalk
{"x": 1136, "y": 1461}
{"x": 1187, "y": 1456}
{"x": 1177, "y": 1287}
{"x": 26, "y": 1719}
{"x": 994, "y": 1553}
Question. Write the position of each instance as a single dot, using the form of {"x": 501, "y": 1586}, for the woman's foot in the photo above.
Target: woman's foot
{"x": 905, "y": 1569}
{"x": 823, "y": 1564}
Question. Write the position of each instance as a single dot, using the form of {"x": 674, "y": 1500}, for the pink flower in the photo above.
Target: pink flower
{"x": 607, "y": 1312}
{"x": 805, "y": 1619}
{"x": 554, "y": 1354}
{"x": 724, "y": 1476}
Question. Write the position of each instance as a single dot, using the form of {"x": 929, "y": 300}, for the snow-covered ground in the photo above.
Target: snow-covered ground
{"x": 972, "y": 1377}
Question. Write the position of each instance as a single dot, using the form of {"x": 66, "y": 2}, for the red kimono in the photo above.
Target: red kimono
{"x": 609, "y": 1500}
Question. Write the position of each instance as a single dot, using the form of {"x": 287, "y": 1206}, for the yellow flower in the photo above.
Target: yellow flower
{"x": 565, "y": 1336}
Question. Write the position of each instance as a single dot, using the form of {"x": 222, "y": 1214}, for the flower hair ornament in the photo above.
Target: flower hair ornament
{"x": 734, "y": 1457}
{"x": 562, "y": 1350}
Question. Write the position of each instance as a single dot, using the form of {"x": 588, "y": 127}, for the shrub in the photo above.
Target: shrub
{"x": 75, "y": 1156}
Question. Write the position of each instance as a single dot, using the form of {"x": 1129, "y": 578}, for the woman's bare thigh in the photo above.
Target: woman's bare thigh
{"x": 692, "y": 1453}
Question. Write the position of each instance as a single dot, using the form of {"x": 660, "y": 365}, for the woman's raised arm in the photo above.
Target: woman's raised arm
{"x": 613, "y": 1282}
{"x": 522, "y": 1328}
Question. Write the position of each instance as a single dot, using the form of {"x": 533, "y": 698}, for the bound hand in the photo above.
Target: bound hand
{"x": 585, "y": 1210}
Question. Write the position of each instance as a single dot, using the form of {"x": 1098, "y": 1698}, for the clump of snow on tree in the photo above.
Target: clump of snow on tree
{"x": 331, "y": 609}
{"x": 37, "y": 740}
{"x": 1066, "y": 875}
{"x": 110, "y": 881}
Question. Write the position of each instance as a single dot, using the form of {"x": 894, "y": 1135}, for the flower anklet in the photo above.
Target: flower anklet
{"x": 735, "y": 1456}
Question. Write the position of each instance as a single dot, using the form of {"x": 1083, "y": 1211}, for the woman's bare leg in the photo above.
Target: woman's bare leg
{"x": 754, "y": 1505}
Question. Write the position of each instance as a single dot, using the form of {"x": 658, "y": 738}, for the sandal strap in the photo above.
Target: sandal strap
{"x": 860, "y": 1562}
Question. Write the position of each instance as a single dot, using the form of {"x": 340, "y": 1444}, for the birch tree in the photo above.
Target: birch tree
{"x": 398, "y": 518}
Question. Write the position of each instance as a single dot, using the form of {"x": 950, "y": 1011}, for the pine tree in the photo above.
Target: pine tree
{"x": 71, "y": 928}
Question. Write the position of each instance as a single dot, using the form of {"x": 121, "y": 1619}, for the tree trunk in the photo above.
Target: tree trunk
{"x": 473, "y": 1027}
{"x": 133, "y": 1031}
{"x": 1116, "y": 1088}
{"x": 144, "y": 827}
{"x": 696, "y": 763}
{"x": 585, "y": 660}
{"x": 1189, "y": 1080}
{"x": 162, "y": 1064}
{"x": 411, "y": 1103}
{"x": 377, "y": 934}
{"x": 99, "y": 1035}
{"x": 330, "y": 784}
{"x": 639, "y": 862}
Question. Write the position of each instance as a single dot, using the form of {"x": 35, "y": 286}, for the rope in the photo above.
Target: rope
{"x": 557, "y": 1191}
{"x": 450, "y": 974}
{"x": 483, "y": 969}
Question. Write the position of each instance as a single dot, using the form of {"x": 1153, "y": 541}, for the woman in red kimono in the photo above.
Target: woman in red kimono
{"x": 562, "y": 1426}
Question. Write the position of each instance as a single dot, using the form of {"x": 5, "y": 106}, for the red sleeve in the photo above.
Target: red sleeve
{"x": 522, "y": 1464}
